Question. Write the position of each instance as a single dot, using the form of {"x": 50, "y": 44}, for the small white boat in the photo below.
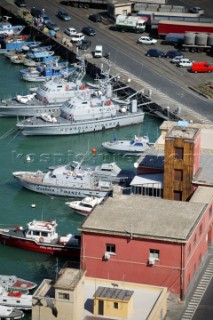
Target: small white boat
{"x": 136, "y": 146}
{"x": 85, "y": 206}
{"x": 12, "y": 282}
{"x": 15, "y": 299}
{"x": 10, "y": 313}
{"x": 47, "y": 117}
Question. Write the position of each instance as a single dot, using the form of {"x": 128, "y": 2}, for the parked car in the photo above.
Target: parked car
{"x": 98, "y": 53}
{"x": 52, "y": 26}
{"x": 173, "y": 53}
{"x": 155, "y": 53}
{"x": 185, "y": 63}
{"x": 20, "y": 3}
{"x": 77, "y": 37}
{"x": 89, "y": 31}
{"x": 96, "y": 17}
{"x": 37, "y": 13}
{"x": 146, "y": 40}
{"x": 197, "y": 10}
{"x": 45, "y": 18}
{"x": 70, "y": 31}
{"x": 84, "y": 44}
{"x": 63, "y": 15}
{"x": 177, "y": 59}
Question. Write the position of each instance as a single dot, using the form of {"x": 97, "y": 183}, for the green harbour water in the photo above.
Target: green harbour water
{"x": 16, "y": 202}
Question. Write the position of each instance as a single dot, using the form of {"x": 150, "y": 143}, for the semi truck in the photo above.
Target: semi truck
{"x": 168, "y": 26}
{"x": 190, "y": 41}
{"x": 125, "y": 23}
{"x": 102, "y": 4}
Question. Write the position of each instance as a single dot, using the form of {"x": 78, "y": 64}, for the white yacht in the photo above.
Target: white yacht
{"x": 135, "y": 146}
{"x": 15, "y": 299}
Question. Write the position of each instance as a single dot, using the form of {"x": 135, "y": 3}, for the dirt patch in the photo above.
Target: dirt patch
{"x": 206, "y": 89}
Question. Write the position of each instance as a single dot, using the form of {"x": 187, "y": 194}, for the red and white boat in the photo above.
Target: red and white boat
{"x": 85, "y": 206}
{"x": 15, "y": 299}
{"x": 41, "y": 236}
{"x": 14, "y": 283}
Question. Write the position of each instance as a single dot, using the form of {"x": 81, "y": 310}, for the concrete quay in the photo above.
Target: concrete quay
{"x": 154, "y": 101}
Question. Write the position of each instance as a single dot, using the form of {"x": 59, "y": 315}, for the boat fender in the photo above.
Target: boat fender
{"x": 82, "y": 87}
{"x": 108, "y": 103}
{"x": 41, "y": 239}
{"x": 67, "y": 87}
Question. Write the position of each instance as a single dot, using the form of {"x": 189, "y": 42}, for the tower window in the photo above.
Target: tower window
{"x": 178, "y": 153}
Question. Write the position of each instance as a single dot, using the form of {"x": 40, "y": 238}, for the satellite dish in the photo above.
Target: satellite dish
{"x": 136, "y": 165}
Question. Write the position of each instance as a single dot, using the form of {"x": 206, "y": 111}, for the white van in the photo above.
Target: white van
{"x": 98, "y": 53}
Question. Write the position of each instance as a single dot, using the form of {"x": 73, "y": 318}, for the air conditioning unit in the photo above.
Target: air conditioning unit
{"x": 106, "y": 256}
{"x": 151, "y": 261}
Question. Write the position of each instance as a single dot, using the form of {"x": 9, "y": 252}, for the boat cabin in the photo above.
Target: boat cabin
{"x": 42, "y": 231}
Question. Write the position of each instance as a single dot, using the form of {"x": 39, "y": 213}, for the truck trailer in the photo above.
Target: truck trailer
{"x": 125, "y": 23}
{"x": 102, "y": 4}
{"x": 190, "y": 41}
{"x": 168, "y": 26}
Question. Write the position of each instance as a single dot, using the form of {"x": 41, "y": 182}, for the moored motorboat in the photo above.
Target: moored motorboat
{"x": 136, "y": 146}
{"x": 13, "y": 282}
{"x": 84, "y": 206}
{"x": 15, "y": 299}
{"x": 10, "y": 313}
{"x": 18, "y": 59}
{"x": 41, "y": 236}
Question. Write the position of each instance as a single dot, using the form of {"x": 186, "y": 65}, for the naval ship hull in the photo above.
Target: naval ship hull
{"x": 29, "y": 110}
{"x": 63, "y": 190}
{"x": 66, "y": 127}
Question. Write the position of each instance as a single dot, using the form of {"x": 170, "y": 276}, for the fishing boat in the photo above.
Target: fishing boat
{"x": 69, "y": 180}
{"x": 28, "y": 62}
{"x": 10, "y": 44}
{"x": 41, "y": 236}
{"x": 15, "y": 299}
{"x": 86, "y": 112}
{"x": 84, "y": 206}
{"x": 40, "y": 53}
{"x": 12, "y": 282}
{"x": 47, "y": 72}
{"x": 7, "y": 29}
{"x": 48, "y": 97}
{"x": 10, "y": 313}
{"x": 136, "y": 146}
{"x": 18, "y": 58}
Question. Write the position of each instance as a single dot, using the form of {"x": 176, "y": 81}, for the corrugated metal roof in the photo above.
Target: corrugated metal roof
{"x": 113, "y": 293}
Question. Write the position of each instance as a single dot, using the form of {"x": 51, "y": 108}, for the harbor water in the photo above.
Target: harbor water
{"x": 17, "y": 153}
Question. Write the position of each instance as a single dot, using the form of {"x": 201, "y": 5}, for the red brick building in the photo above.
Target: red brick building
{"x": 148, "y": 240}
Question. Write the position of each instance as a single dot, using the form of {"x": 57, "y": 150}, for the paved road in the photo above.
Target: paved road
{"x": 124, "y": 52}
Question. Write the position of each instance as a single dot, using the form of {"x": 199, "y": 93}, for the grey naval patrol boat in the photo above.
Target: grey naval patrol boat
{"x": 48, "y": 97}
{"x": 69, "y": 180}
{"x": 86, "y": 112}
